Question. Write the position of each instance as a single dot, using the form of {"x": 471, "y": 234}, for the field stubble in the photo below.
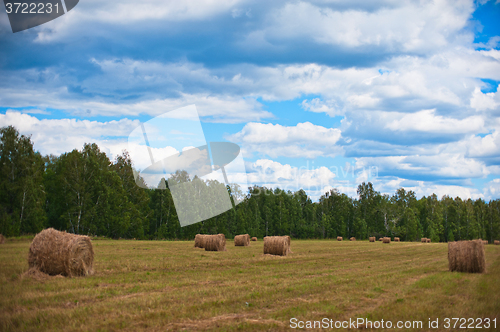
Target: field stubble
{"x": 169, "y": 285}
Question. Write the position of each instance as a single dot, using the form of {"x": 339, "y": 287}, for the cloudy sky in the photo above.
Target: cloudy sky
{"x": 318, "y": 95}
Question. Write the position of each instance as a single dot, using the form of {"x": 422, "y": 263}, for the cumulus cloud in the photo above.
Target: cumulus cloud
{"x": 305, "y": 140}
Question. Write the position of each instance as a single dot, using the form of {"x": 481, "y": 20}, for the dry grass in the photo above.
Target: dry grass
{"x": 339, "y": 238}
{"x": 371, "y": 239}
{"x": 386, "y": 240}
{"x": 169, "y": 286}
{"x": 396, "y": 239}
{"x": 254, "y": 238}
{"x": 466, "y": 256}
{"x": 54, "y": 252}
{"x": 215, "y": 242}
{"x": 276, "y": 245}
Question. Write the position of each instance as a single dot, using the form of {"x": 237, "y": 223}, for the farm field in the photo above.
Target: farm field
{"x": 171, "y": 286}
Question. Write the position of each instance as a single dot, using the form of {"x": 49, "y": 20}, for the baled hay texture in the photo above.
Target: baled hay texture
{"x": 339, "y": 238}
{"x": 2, "y": 239}
{"x": 54, "y": 252}
{"x": 215, "y": 242}
{"x": 371, "y": 238}
{"x": 497, "y": 242}
{"x": 424, "y": 240}
{"x": 428, "y": 240}
{"x": 199, "y": 240}
{"x": 396, "y": 239}
{"x": 466, "y": 256}
{"x": 485, "y": 241}
{"x": 381, "y": 239}
{"x": 386, "y": 240}
{"x": 352, "y": 239}
{"x": 276, "y": 245}
{"x": 289, "y": 242}
{"x": 254, "y": 239}
{"x": 242, "y": 240}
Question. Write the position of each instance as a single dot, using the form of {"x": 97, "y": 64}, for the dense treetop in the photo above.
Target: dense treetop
{"x": 84, "y": 192}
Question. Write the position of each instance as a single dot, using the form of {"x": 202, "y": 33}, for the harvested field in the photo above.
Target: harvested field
{"x": 169, "y": 286}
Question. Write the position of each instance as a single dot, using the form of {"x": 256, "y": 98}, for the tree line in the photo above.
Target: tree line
{"x": 83, "y": 192}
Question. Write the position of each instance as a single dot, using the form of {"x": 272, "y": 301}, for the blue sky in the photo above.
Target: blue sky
{"x": 318, "y": 94}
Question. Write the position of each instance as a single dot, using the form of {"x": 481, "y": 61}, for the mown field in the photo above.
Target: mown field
{"x": 171, "y": 286}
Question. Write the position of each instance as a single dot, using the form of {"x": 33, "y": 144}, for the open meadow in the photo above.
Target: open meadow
{"x": 172, "y": 286}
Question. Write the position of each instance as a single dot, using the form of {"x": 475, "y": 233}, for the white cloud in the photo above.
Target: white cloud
{"x": 485, "y": 101}
{"x": 305, "y": 140}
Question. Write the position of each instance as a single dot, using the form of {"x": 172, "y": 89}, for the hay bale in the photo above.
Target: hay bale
{"x": 381, "y": 239}
{"x": 54, "y": 252}
{"x": 423, "y": 240}
{"x": 497, "y": 242}
{"x": 215, "y": 242}
{"x": 386, "y": 240}
{"x": 396, "y": 239}
{"x": 339, "y": 238}
{"x": 276, "y": 245}
{"x": 2, "y": 239}
{"x": 289, "y": 242}
{"x": 254, "y": 238}
{"x": 428, "y": 240}
{"x": 485, "y": 241}
{"x": 371, "y": 239}
{"x": 242, "y": 240}
{"x": 199, "y": 240}
{"x": 466, "y": 256}
{"x": 352, "y": 239}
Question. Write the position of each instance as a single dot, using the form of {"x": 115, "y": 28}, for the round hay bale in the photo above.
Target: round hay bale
{"x": 289, "y": 242}
{"x": 215, "y": 242}
{"x": 466, "y": 256}
{"x": 485, "y": 241}
{"x": 386, "y": 240}
{"x": 339, "y": 238}
{"x": 381, "y": 239}
{"x": 352, "y": 239}
{"x": 276, "y": 245}
{"x": 497, "y": 242}
{"x": 2, "y": 239}
{"x": 428, "y": 240}
{"x": 423, "y": 240}
{"x": 371, "y": 239}
{"x": 54, "y": 252}
{"x": 254, "y": 238}
{"x": 396, "y": 239}
{"x": 242, "y": 240}
{"x": 199, "y": 241}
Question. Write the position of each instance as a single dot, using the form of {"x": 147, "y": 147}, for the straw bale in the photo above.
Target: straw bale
{"x": 424, "y": 240}
{"x": 352, "y": 239}
{"x": 497, "y": 242}
{"x": 381, "y": 239}
{"x": 466, "y": 256}
{"x": 254, "y": 238}
{"x": 199, "y": 240}
{"x": 215, "y": 242}
{"x": 2, "y": 239}
{"x": 386, "y": 240}
{"x": 242, "y": 240}
{"x": 339, "y": 238}
{"x": 276, "y": 245}
{"x": 396, "y": 239}
{"x": 428, "y": 240}
{"x": 54, "y": 252}
{"x": 371, "y": 239}
{"x": 485, "y": 241}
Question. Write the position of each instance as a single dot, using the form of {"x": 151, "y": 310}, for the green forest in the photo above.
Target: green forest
{"x": 84, "y": 192}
